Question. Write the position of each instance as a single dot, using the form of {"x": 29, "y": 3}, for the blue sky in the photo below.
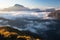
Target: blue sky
{"x": 31, "y": 3}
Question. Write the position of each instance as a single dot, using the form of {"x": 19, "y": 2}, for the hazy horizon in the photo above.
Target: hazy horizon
{"x": 41, "y": 4}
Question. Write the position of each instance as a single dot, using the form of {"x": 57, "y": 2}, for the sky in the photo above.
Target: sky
{"x": 31, "y": 3}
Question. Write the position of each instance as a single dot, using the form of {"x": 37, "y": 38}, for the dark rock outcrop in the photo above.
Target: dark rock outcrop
{"x": 55, "y": 14}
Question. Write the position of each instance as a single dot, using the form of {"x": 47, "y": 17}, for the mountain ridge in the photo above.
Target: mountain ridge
{"x": 10, "y": 33}
{"x": 18, "y": 7}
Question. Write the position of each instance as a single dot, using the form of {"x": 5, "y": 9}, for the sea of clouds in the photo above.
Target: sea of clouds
{"x": 31, "y": 21}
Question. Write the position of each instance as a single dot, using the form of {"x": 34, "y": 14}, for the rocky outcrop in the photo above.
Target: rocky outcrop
{"x": 55, "y": 14}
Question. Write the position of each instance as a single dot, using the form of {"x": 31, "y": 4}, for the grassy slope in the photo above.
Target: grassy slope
{"x": 9, "y": 33}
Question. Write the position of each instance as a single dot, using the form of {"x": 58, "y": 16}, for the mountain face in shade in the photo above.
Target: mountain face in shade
{"x": 55, "y": 14}
{"x": 16, "y": 7}
{"x": 8, "y": 33}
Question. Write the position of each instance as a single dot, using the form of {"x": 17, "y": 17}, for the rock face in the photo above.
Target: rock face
{"x": 8, "y": 33}
{"x": 55, "y": 14}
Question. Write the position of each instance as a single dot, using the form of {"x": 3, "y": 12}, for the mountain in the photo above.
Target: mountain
{"x": 55, "y": 14}
{"x": 36, "y": 10}
{"x": 50, "y": 10}
{"x": 16, "y": 7}
{"x": 8, "y": 33}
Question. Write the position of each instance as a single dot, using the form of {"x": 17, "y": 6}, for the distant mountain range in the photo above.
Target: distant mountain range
{"x": 18, "y": 7}
{"x": 50, "y": 10}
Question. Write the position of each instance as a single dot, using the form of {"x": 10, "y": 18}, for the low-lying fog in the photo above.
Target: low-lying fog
{"x": 12, "y": 15}
{"x": 26, "y": 20}
{"x": 37, "y": 22}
